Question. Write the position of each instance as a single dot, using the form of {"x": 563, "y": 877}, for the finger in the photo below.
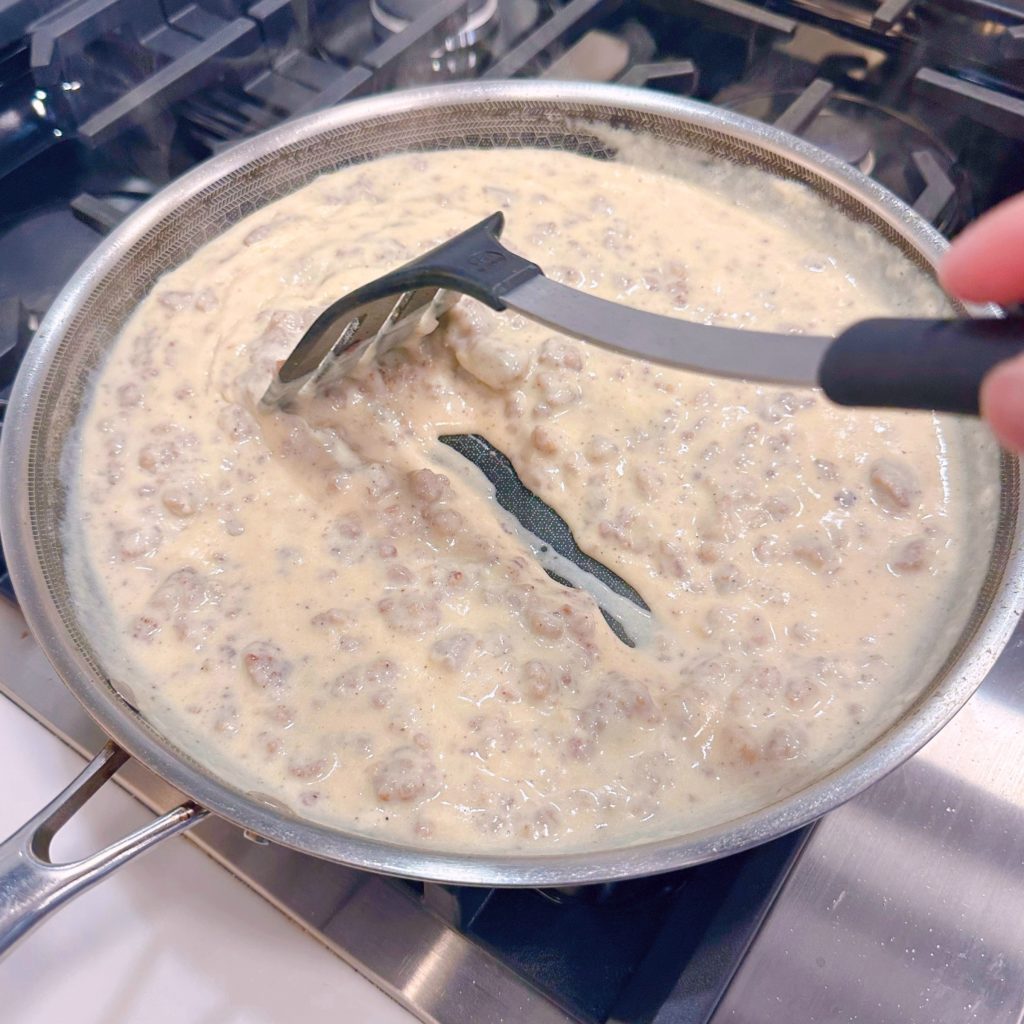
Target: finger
{"x": 1002, "y": 402}
{"x": 986, "y": 261}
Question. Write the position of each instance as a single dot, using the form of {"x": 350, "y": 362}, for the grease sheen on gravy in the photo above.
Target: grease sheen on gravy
{"x": 332, "y": 610}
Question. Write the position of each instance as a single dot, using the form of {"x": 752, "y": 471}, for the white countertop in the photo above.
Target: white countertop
{"x": 171, "y": 937}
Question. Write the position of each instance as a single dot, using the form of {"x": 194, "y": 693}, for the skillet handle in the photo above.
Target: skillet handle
{"x": 918, "y": 364}
{"x": 32, "y": 886}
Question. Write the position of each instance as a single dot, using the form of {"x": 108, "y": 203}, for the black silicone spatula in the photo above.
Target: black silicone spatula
{"x": 901, "y": 363}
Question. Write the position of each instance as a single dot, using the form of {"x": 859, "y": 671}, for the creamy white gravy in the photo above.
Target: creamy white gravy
{"x": 342, "y": 619}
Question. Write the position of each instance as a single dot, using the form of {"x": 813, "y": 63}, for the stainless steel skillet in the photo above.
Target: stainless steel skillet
{"x": 85, "y": 321}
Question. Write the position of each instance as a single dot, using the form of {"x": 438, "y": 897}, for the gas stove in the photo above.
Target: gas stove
{"x": 907, "y": 903}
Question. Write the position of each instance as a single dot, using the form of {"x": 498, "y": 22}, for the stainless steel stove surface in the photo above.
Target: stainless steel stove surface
{"x": 907, "y": 904}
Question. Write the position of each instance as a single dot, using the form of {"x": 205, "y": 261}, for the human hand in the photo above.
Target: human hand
{"x": 986, "y": 264}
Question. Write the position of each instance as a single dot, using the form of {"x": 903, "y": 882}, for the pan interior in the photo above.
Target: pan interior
{"x": 590, "y": 127}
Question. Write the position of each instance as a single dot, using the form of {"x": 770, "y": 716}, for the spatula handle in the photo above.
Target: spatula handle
{"x": 918, "y": 364}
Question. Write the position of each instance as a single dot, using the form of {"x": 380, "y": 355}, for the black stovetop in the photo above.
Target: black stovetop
{"x": 102, "y": 102}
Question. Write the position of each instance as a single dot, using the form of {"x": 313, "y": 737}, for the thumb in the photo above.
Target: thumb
{"x": 1002, "y": 402}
